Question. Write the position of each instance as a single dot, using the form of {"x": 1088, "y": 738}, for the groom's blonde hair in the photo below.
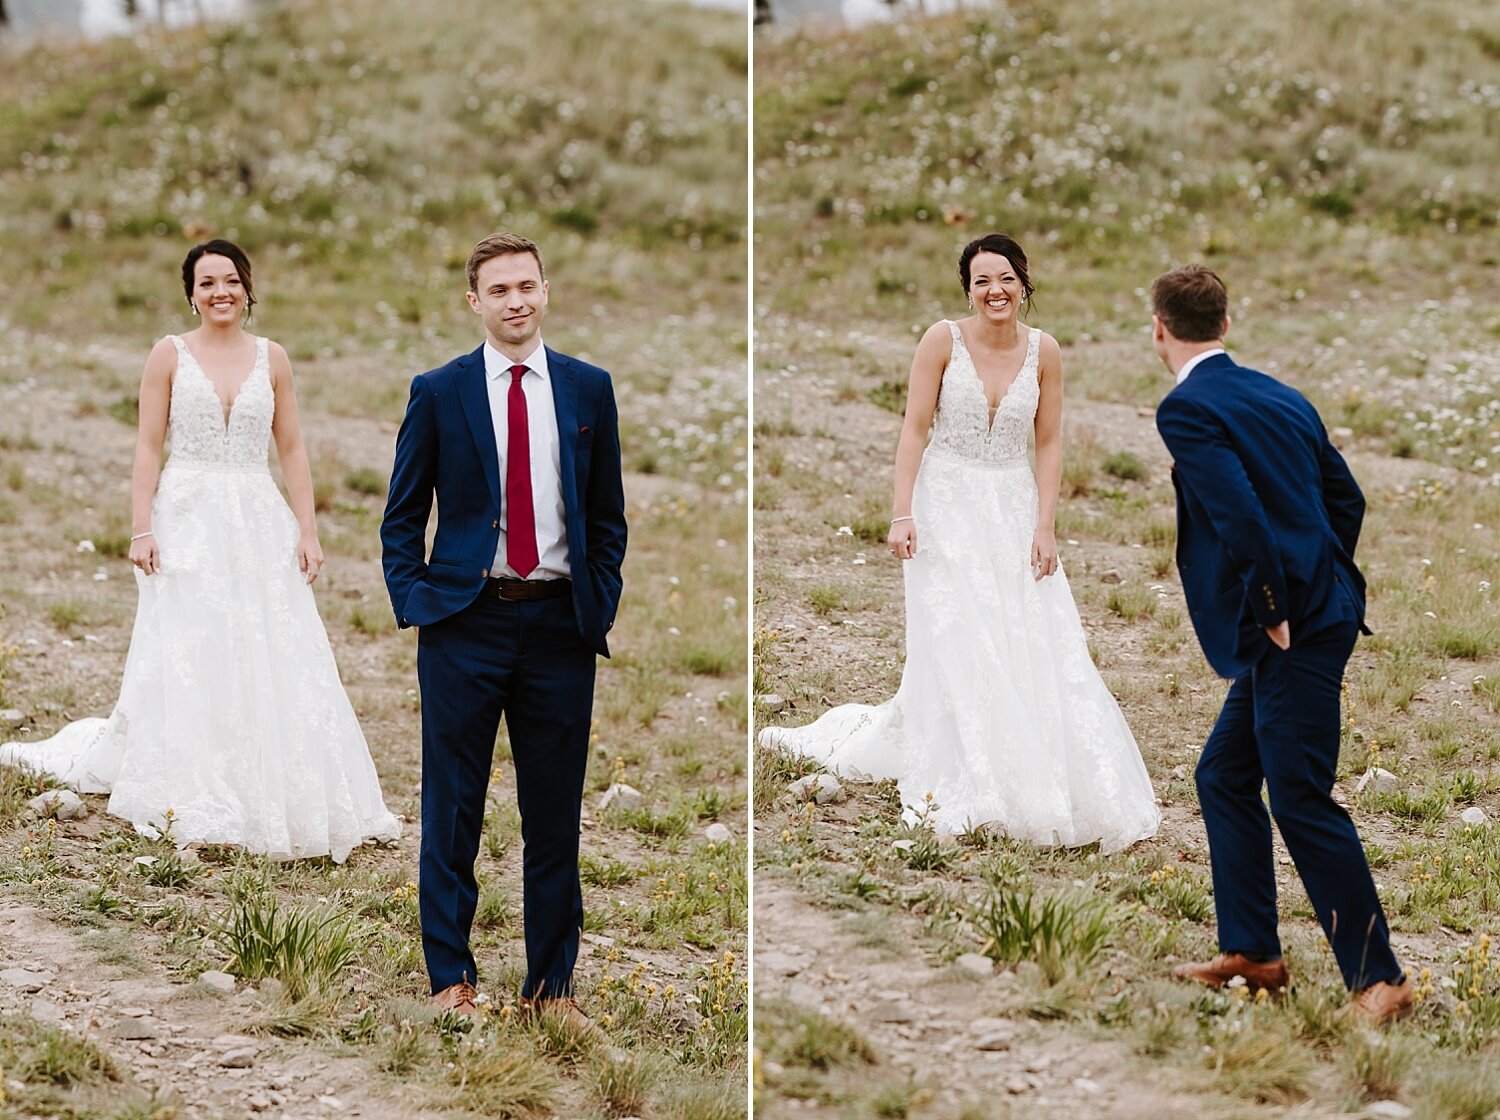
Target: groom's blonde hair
{"x": 1191, "y": 302}
{"x": 501, "y": 245}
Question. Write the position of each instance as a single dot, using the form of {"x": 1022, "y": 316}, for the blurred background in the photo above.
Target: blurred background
{"x": 357, "y": 149}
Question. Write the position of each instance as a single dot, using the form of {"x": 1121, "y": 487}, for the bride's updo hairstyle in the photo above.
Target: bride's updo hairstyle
{"x": 218, "y": 247}
{"x": 1006, "y": 246}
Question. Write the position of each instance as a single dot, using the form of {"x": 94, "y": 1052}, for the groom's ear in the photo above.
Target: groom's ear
{"x": 1158, "y": 331}
{"x": 1225, "y": 328}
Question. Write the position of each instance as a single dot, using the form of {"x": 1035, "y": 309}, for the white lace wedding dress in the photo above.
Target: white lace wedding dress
{"x": 231, "y": 713}
{"x": 1001, "y": 715}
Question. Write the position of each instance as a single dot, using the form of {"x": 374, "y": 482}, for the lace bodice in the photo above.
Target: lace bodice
{"x": 196, "y": 424}
{"x": 962, "y": 426}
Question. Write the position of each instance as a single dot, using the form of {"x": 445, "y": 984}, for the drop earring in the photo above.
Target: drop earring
{"x": 194, "y": 306}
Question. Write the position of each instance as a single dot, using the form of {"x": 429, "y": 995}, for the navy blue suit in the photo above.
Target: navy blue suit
{"x": 480, "y": 657}
{"x": 1268, "y": 517}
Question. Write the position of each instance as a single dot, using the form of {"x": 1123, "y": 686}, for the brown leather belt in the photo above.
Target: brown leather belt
{"x": 505, "y": 587}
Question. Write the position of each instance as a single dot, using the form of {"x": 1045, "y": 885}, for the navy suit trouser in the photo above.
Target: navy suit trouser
{"x": 523, "y": 660}
{"x": 1280, "y": 727}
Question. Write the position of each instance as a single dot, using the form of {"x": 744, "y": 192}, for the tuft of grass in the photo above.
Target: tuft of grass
{"x": 1063, "y": 933}
{"x": 797, "y": 1036}
{"x": 306, "y": 948}
{"x": 41, "y": 1054}
{"x": 498, "y": 1078}
{"x": 1125, "y": 465}
{"x": 623, "y": 1080}
{"x": 366, "y": 480}
{"x": 1257, "y": 1056}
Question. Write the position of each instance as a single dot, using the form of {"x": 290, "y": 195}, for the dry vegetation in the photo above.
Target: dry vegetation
{"x": 357, "y": 149}
{"x": 1332, "y": 162}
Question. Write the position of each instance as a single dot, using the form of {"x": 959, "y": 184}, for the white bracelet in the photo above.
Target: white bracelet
{"x": 138, "y": 536}
{"x": 908, "y": 517}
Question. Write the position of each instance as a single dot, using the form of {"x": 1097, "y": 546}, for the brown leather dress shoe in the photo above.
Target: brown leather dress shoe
{"x": 1271, "y": 976}
{"x": 565, "y": 1009}
{"x": 1382, "y": 1003}
{"x": 458, "y": 998}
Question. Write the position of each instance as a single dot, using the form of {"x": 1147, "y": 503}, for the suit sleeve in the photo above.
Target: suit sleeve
{"x": 1209, "y": 469}
{"x": 1342, "y": 497}
{"x": 403, "y": 531}
{"x": 605, "y": 508}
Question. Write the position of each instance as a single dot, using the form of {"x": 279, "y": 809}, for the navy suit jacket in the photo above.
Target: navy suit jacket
{"x": 446, "y": 448}
{"x": 1268, "y": 514}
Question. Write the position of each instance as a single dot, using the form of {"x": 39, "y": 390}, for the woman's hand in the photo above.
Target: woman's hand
{"x": 309, "y": 556}
{"x": 145, "y": 555}
{"x": 903, "y": 538}
{"x": 1043, "y": 553}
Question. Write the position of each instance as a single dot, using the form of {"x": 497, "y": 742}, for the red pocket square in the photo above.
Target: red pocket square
{"x": 583, "y": 431}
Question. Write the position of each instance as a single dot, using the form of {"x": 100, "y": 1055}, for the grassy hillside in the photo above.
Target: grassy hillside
{"x": 358, "y": 148}
{"x": 1334, "y": 163}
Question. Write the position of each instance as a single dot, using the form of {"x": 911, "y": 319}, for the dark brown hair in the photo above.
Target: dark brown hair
{"x": 500, "y": 245}
{"x": 218, "y": 247}
{"x": 1007, "y": 247}
{"x": 1191, "y": 302}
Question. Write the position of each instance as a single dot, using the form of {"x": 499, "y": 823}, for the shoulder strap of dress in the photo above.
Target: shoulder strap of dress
{"x": 958, "y": 335}
{"x": 1033, "y": 344}
{"x": 177, "y": 343}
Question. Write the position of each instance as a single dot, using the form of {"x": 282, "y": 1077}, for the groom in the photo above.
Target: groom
{"x": 520, "y": 446}
{"x": 1267, "y": 519}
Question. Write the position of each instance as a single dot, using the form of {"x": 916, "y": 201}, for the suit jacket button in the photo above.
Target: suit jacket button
{"x": 494, "y": 524}
{"x": 484, "y": 574}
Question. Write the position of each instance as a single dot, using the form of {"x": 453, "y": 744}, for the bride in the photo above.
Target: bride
{"x": 232, "y": 726}
{"x": 1001, "y": 718}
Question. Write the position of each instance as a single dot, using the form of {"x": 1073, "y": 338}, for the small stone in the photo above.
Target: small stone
{"x": 45, "y": 1011}
{"x": 63, "y": 804}
{"x": 892, "y": 1012}
{"x": 621, "y": 795}
{"x": 1475, "y": 816}
{"x": 976, "y": 964}
{"x": 1381, "y": 781}
{"x": 189, "y": 857}
{"x": 258, "y": 1102}
{"x": 1109, "y": 576}
{"x": 330, "y": 1102}
{"x": 136, "y": 1030}
{"x": 243, "y": 1058}
{"x": 770, "y": 702}
{"x": 825, "y": 789}
{"x": 1015, "y": 1086}
{"x": 995, "y": 1042}
{"x": 778, "y": 963}
{"x": 1388, "y": 1110}
{"x": 218, "y": 981}
{"x": 135, "y": 1012}
{"x": 718, "y": 834}
{"x": 12, "y": 717}
{"x": 271, "y": 988}
{"x": 1084, "y": 1085}
{"x": 26, "y": 980}
{"x": 903, "y": 846}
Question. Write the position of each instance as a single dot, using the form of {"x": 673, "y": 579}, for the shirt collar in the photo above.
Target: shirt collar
{"x": 1193, "y": 362}
{"x": 498, "y": 365}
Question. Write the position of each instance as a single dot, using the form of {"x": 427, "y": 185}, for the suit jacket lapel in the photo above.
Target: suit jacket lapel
{"x": 474, "y": 395}
{"x": 565, "y": 401}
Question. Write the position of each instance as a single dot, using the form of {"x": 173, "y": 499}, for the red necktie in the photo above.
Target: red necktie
{"x": 520, "y": 528}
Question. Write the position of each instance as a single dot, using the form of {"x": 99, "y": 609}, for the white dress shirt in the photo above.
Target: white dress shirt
{"x": 546, "y": 471}
{"x": 1192, "y": 363}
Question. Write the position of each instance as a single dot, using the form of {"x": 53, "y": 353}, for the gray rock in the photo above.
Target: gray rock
{"x": 1388, "y": 1110}
{"x": 892, "y": 1012}
{"x": 243, "y": 1058}
{"x": 782, "y": 964}
{"x": 1109, "y": 576}
{"x": 218, "y": 981}
{"x": 718, "y": 834}
{"x": 26, "y": 980}
{"x": 12, "y": 717}
{"x": 45, "y": 1011}
{"x": 330, "y": 1102}
{"x": 1381, "y": 781}
{"x": 136, "y": 1030}
{"x": 1015, "y": 1086}
{"x": 1475, "y": 816}
{"x": 1084, "y": 1085}
{"x": 976, "y": 964}
{"x": 136, "y": 1012}
{"x": 271, "y": 988}
{"x": 996, "y": 1041}
{"x": 63, "y": 804}
{"x": 770, "y": 702}
{"x": 621, "y": 795}
{"x": 825, "y": 789}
